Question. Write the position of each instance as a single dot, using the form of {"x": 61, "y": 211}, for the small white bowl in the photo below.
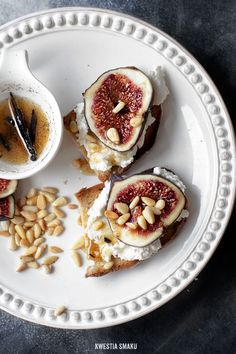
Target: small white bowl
{"x": 16, "y": 77}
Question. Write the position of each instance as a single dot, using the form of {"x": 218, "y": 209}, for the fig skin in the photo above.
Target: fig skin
{"x": 166, "y": 228}
{"x": 7, "y": 187}
{"x": 144, "y": 115}
{"x": 9, "y": 203}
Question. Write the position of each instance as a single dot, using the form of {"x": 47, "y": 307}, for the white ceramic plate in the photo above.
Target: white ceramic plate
{"x": 68, "y": 49}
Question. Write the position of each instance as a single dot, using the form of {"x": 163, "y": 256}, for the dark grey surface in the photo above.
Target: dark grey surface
{"x": 202, "y": 319}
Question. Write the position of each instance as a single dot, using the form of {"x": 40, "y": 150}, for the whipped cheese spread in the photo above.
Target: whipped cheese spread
{"x": 120, "y": 249}
{"x": 102, "y": 158}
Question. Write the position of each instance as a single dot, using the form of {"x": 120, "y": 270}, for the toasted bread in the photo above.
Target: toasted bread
{"x": 149, "y": 140}
{"x": 86, "y": 198}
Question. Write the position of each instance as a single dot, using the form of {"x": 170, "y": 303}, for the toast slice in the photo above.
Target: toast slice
{"x": 86, "y": 198}
{"x": 149, "y": 140}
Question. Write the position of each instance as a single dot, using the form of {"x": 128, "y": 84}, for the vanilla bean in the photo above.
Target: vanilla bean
{"x": 33, "y": 125}
{"x": 22, "y": 130}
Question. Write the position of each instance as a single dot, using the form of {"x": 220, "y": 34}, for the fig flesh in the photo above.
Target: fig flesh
{"x": 7, "y": 208}
{"x": 116, "y": 107}
{"x": 7, "y": 187}
{"x": 154, "y": 204}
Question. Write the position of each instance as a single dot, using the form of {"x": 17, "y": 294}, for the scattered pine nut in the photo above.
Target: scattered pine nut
{"x": 55, "y": 249}
{"x": 51, "y": 190}
{"x": 60, "y": 310}
{"x": 76, "y": 258}
{"x": 58, "y": 230}
{"x": 32, "y": 193}
{"x": 21, "y": 267}
{"x": 13, "y": 246}
{"x": 31, "y": 250}
{"x": 78, "y": 244}
{"x": 18, "y": 220}
{"x": 58, "y": 212}
{"x": 29, "y": 215}
{"x": 21, "y": 231}
{"x": 61, "y": 201}
{"x": 50, "y": 217}
{"x": 40, "y": 251}
{"x": 50, "y": 260}
{"x": 33, "y": 265}
{"x": 39, "y": 241}
{"x": 47, "y": 268}
{"x": 72, "y": 206}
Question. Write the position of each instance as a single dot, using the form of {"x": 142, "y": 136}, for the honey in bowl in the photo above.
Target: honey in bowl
{"x": 12, "y": 148}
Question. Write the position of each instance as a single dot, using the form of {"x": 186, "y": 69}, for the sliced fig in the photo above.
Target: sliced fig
{"x": 154, "y": 204}
{"x": 116, "y": 106}
{"x": 7, "y": 208}
{"x": 7, "y": 187}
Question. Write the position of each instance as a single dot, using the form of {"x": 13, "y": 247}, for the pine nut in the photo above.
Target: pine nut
{"x": 131, "y": 225}
{"x": 113, "y": 135}
{"x": 50, "y": 231}
{"x": 142, "y": 222}
{"x": 12, "y": 229}
{"x": 21, "y": 231}
{"x": 18, "y": 220}
{"x": 78, "y": 244}
{"x": 32, "y": 201}
{"x": 29, "y": 215}
{"x": 49, "y": 196}
{"x": 41, "y": 202}
{"x": 123, "y": 218}
{"x": 51, "y": 190}
{"x": 111, "y": 215}
{"x": 40, "y": 251}
{"x": 54, "y": 223}
{"x": 149, "y": 215}
{"x": 17, "y": 239}
{"x": 91, "y": 139}
{"x": 122, "y": 208}
{"x": 26, "y": 259}
{"x": 37, "y": 230}
{"x": 160, "y": 204}
{"x": 156, "y": 211}
{"x": 28, "y": 224}
{"x": 5, "y": 225}
{"x": 50, "y": 260}
{"x": 58, "y": 212}
{"x": 136, "y": 121}
{"x": 55, "y": 249}
{"x": 120, "y": 105}
{"x": 42, "y": 214}
{"x": 134, "y": 202}
{"x": 76, "y": 258}
{"x": 32, "y": 193}
{"x": 31, "y": 250}
{"x": 72, "y": 206}
{"x": 33, "y": 265}
{"x": 13, "y": 245}
{"x": 21, "y": 267}
{"x": 50, "y": 217}
{"x": 61, "y": 201}
{"x": 61, "y": 309}
{"x": 42, "y": 224}
{"x": 30, "y": 236}
{"x": 47, "y": 268}
{"x": 38, "y": 241}
{"x": 97, "y": 225}
{"x": 32, "y": 208}
{"x": 148, "y": 201}
{"x": 24, "y": 243}
{"x": 58, "y": 230}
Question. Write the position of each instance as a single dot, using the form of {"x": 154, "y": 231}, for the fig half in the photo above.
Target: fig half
{"x": 146, "y": 205}
{"x": 116, "y": 107}
{"x": 7, "y": 208}
{"x": 7, "y": 187}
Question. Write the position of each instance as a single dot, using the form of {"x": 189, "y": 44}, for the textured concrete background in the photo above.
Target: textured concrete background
{"x": 202, "y": 319}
